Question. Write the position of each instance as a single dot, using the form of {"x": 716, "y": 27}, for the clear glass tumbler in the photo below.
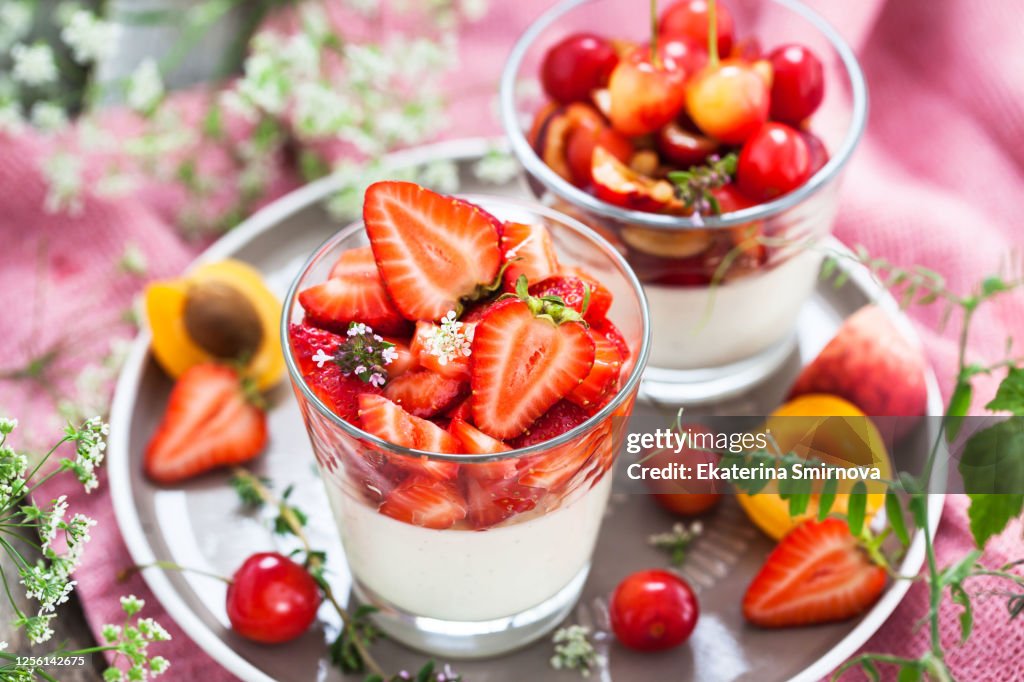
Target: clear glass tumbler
{"x": 724, "y": 304}
{"x": 513, "y": 567}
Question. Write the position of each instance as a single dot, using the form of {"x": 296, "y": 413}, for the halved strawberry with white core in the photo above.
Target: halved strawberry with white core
{"x": 424, "y": 393}
{"x": 816, "y": 574}
{"x": 354, "y": 262}
{"x": 603, "y": 377}
{"x": 529, "y": 251}
{"x": 492, "y": 501}
{"x": 340, "y": 392}
{"x": 426, "y": 502}
{"x": 432, "y": 251}
{"x": 527, "y": 355}
{"x": 362, "y": 298}
{"x": 438, "y": 352}
{"x": 612, "y": 333}
{"x": 388, "y": 421}
{"x": 404, "y": 360}
{"x": 576, "y": 293}
{"x": 308, "y": 341}
{"x": 209, "y": 423}
{"x": 476, "y": 442}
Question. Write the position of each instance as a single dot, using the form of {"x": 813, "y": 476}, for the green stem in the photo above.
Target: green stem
{"x": 712, "y": 33}
{"x": 168, "y": 566}
{"x": 870, "y": 658}
{"x": 655, "y": 59}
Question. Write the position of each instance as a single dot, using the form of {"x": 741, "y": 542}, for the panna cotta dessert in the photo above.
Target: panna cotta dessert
{"x": 705, "y": 143}
{"x": 465, "y": 370}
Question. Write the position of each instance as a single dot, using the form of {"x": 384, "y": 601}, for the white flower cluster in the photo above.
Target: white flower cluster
{"x": 15, "y": 21}
{"x": 133, "y": 641}
{"x": 33, "y": 64}
{"x": 145, "y": 86}
{"x": 90, "y": 442}
{"x": 89, "y": 37}
{"x": 449, "y": 340}
{"x": 573, "y": 650}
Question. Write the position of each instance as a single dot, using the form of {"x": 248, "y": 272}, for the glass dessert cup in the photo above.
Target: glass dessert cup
{"x": 725, "y": 291}
{"x": 511, "y": 570}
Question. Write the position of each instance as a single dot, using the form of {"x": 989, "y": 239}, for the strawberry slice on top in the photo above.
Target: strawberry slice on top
{"x": 432, "y": 251}
{"x": 359, "y": 297}
{"x": 527, "y": 355}
{"x": 816, "y": 574}
{"x": 528, "y": 250}
{"x": 210, "y": 422}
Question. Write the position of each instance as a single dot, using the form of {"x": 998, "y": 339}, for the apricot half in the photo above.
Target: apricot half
{"x": 220, "y": 311}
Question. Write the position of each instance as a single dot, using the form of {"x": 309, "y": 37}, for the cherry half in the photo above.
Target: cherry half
{"x": 774, "y": 161}
{"x": 272, "y": 599}
{"x": 576, "y": 66}
{"x": 653, "y": 610}
{"x": 798, "y": 84}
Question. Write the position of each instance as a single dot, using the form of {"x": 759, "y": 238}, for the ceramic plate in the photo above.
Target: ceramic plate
{"x": 200, "y": 524}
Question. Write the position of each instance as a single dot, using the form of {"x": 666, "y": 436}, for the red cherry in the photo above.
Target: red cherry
{"x": 817, "y": 150}
{"x": 689, "y": 19}
{"x": 798, "y": 85}
{"x": 653, "y": 610}
{"x": 687, "y": 55}
{"x": 272, "y": 599}
{"x": 576, "y": 66}
{"x": 729, "y": 101}
{"x": 774, "y": 161}
{"x": 645, "y": 96}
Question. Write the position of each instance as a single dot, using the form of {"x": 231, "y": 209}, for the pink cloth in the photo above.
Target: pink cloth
{"x": 937, "y": 182}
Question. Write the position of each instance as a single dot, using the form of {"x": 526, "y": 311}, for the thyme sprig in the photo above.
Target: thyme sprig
{"x": 693, "y": 187}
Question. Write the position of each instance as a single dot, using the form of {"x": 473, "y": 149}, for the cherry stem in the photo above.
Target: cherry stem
{"x": 655, "y": 59}
{"x": 712, "y": 33}
{"x": 295, "y": 525}
{"x": 167, "y": 566}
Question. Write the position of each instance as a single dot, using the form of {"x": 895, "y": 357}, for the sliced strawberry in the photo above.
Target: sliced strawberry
{"x": 307, "y": 341}
{"x": 386, "y": 420}
{"x": 529, "y": 251}
{"x": 523, "y": 364}
{"x": 454, "y": 365}
{"x": 564, "y": 416}
{"x": 476, "y": 442}
{"x": 209, "y": 423}
{"x": 612, "y": 333}
{"x": 405, "y": 360}
{"x": 479, "y": 311}
{"x": 816, "y": 574}
{"x": 339, "y": 392}
{"x": 425, "y": 502}
{"x": 354, "y": 262}
{"x": 424, "y": 393}
{"x": 604, "y": 375}
{"x": 493, "y": 501}
{"x": 362, "y": 298}
{"x": 574, "y": 291}
{"x": 463, "y": 411}
{"x": 432, "y": 251}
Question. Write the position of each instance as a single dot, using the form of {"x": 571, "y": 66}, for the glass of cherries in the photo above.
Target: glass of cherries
{"x": 706, "y": 140}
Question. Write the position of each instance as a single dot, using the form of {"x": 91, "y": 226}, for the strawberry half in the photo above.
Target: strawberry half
{"x": 354, "y": 262}
{"x": 307, "y": 340}
{"x": 424, "y": 393}
{"x": 388, "y": 421}
{"x": 575, "y": 292}
{"x": 425, "y": 502}
{"x": 360, "y": 297}
{"x": 527, "y": 355}
{"x": 603, "y": 377}
{"x": 432, "y": 251}
{"x": 492, "y": 501}
{"x": 476, "y": 442}
{"x": 528, "y": 250}
{"x": 816, "y": 574}
{"x": 456, "y": 367}
{"x": 210, "y": 422}
{"x": 338, "y": 391}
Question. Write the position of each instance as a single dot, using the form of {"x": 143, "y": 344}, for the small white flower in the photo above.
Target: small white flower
{"x": 132, "y": 604}
{"x": 11, "y": 120}
{"x": 7, "y": 425}
{"x": 377, "y": 379}
{"x": 158, "y": 665}
{"x": 15, "y": 22}
{"x": 133, "y": 260}
{"x": 89, "y": 37}
{"x": 360, "y": 369}
{"x": 442, "y": 176}
{"x": 63, "y": 172}
{"x": 48, "y": 117}
{"x": 358, "y": 329}
{"x": 389, "y": 355}
{"x": 3, "y": 646}
{"x": 33, "y": 64}
{"x": 320, "y": 357}
{"x": 448, "y": 340}
{"x": 145, "y": 86}
{"x": 473, "y": 10}
{"x": 321, "y": 110}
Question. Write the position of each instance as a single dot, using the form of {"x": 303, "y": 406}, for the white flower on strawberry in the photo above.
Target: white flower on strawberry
{"x": 358, "y": 329}
{"x": 321, "y": 357}
{"x": 448, "y": 341}
{"x": 377, "y": 379}
{"x": 389, "y": 355}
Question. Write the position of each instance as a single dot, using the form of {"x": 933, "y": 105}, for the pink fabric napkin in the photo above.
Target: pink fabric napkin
{"x": 936, "y": 182}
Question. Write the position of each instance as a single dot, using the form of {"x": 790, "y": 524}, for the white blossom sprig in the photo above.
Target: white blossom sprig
{"x": 449, "y": 340}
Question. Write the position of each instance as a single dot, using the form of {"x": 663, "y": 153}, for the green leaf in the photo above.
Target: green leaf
{"x": 1010, "y": 396}
{"x": 870, "y": 670}
{"x": 918, "y": 506}
{"x": 993, "y": 285}
{"x": 992, "y": 467}
{"x": 989, "y": 514}
{"x": 955, "y": 573}
{"x": 894, "y": 512}
{"x": 857, "y": 507}
{"x": 961, "y": 597}
{"x": 959, "y": 403}
{"x": 827, "y": 498}
{"x": 909, "y": 673}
